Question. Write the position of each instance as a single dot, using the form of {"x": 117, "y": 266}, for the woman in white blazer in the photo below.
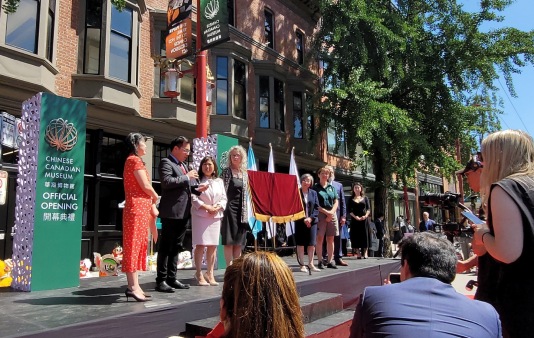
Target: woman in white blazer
{"x": 206, "y": 213}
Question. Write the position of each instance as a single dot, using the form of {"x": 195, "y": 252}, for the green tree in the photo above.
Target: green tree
{"x": 399, "y": 77}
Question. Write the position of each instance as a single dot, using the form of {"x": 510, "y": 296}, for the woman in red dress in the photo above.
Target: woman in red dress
{"x": 139, "y": 215}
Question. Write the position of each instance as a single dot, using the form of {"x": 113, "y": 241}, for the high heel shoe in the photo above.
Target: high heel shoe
{"x": 211, "y": 280}
{"x": 129, "y": 293}
{"x": 313, "y": 268}
{"x": 201, "y": 282}
{"x": 144, "y": 294}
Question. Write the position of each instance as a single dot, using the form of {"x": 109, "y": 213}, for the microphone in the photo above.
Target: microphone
{"x": 193, "y": 181}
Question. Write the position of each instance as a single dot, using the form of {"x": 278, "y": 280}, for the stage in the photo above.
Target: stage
{"x": 98, "y": 307}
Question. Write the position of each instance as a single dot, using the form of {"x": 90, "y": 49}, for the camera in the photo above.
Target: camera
{"x": 456, "y": 230}
{"x": 446, "y": 200}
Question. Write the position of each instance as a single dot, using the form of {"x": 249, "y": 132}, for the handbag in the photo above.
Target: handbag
{"x": 374, "y": 242}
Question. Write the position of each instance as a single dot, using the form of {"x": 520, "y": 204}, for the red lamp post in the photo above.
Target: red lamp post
{"x": 200, "y": 66}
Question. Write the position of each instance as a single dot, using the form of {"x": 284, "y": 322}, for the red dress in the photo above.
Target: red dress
{"x": 136, "y": 218}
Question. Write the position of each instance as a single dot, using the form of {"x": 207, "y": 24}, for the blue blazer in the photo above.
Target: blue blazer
{"x": 313, "y": 205}
{"x": 422, "y": 307}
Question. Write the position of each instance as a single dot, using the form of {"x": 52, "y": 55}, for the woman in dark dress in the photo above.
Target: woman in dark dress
{"x": 505, "y": 244}
{"x": 234, "y": 224}
{"x": 306, "y": 228}
{"x": 359, "y": 209}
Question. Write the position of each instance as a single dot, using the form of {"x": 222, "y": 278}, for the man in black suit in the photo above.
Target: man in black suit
{"x": 174, "y": 211}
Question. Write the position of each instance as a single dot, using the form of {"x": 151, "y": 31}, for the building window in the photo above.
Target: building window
{"x": 120, "y": 48}
{"x": 22, "y": 27}
{"x": 264, "y": 102}
{"x": 269, "y": 27}
{"x": 279, "y": 105}
{"x": 186, "y": 83}
{"x": 222, "y": 85}
{"x": 300, "y": 48}
{"x": 111, "y": 41}
{"x": 240, "y": 89}
{"x": 50, "y": 24}
{"x": 161, "y": 151}
{"x": 336, "y": 141}
{"x": 231, "y": 16}
{"x": 310, "y": 118}
{"x": 113, "y": 155}
{"x": 93, "y": 26}
{"x": 297, "y": 115}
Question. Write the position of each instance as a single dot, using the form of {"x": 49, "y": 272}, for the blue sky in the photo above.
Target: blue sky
{"x": 518, "y": 111}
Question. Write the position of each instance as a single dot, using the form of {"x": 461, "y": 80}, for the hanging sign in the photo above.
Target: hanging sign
{"x": 213, "y": 22}
{"x": 8, "y": 130}
{"x": 179, "y": 42}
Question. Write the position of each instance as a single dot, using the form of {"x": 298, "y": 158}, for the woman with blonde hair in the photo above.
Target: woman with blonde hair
{"x": 234, "y": 225}
{"x": 505, "y": 244}
{"x": 259, "y": 299}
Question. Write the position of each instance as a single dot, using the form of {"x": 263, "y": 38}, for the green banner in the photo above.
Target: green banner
{"x": 224, "y": 143}
{"x": 59, "y": 193}
{"x": 213, "y": 22}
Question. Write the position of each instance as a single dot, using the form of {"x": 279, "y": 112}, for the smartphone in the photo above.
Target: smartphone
{"x": 394, "y": 277}
{"x": 472, "y": 217}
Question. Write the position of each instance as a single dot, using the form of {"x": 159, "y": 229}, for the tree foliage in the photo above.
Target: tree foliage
{"x": 406, "y": 79}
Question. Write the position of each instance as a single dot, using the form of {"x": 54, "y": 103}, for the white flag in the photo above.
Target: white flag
{"x": 290, "y": 226}
{"x": 271, "y": 226}
{"x": 255, "y": 225}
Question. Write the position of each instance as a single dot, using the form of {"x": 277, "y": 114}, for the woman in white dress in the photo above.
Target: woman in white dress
{"x": 206, "y": 213}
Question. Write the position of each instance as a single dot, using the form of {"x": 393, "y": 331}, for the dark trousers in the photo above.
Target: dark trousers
{"x": 170, "y": 245}
{"x": 380, "y": 252}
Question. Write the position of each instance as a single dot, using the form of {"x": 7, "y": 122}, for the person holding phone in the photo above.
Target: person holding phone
{"x": 424, "y": 303}
{"x": 505, "y": 244}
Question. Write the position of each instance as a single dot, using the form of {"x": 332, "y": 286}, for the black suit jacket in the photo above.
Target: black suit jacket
{"x": 175, "y": 191}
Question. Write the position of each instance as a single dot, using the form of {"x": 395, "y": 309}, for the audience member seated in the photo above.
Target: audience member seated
{"x": 259, "y": 299}
{"x": 424, "y": 304}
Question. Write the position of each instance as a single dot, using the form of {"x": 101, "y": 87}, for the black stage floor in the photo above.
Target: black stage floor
{"x": 98, "y": 307}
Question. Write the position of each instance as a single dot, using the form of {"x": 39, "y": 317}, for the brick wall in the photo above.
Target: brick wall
{"x": 68, "y": 17}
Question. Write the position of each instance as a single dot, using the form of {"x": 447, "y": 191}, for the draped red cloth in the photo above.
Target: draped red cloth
{"x": 275, "y": 196}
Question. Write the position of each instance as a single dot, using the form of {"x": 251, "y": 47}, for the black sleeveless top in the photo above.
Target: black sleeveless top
{"x": 505, "y": 286}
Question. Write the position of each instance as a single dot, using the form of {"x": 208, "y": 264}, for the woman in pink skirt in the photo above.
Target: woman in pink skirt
{"x": 206, "y": 213}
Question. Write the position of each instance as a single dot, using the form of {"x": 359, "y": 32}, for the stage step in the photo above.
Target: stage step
{"x": 336, "y": 325}
{"x": 319, "y": 305}
{"x": 323, "y": 313}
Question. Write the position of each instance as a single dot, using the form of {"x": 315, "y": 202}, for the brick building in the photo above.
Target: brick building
{"x": 86, "y": 49}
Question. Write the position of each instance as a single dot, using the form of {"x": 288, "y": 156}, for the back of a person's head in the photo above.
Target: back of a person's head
{"x": 505, "y": 153}
{"x": 429, "y": 255}
{"x": 260, "y": 298}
